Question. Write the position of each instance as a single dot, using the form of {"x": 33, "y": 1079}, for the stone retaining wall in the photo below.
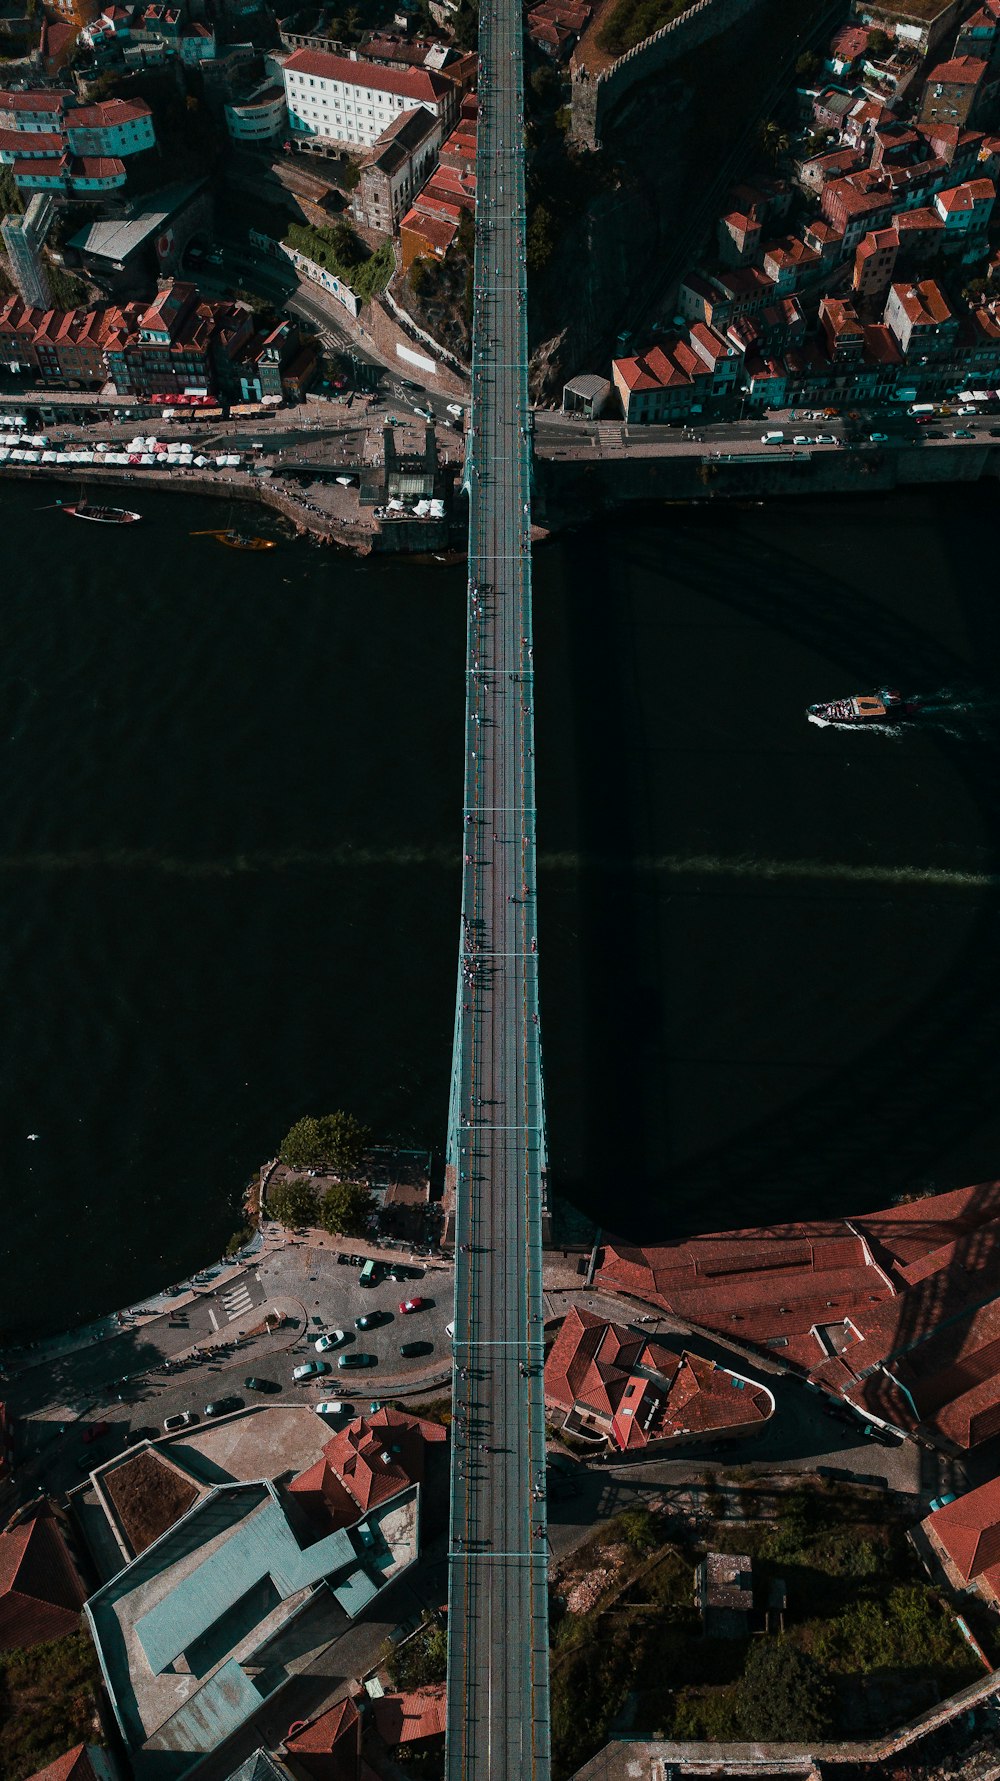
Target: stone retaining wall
{"x": 594, "y": 96}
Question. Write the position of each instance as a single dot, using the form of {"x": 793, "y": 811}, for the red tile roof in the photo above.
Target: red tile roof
{"x": 108, "y": 114}
{"x": 969, "y": 1530}
{"x": 74, "y": 1766}
{"x": 25, "y": 143}
{"x": 961, "y": 71}
{"x": 370, "y": 1460}
{"x": 40, "y": 1592}
{"x": 328, "y": 1748}
{"x": 35, "y": 101}
{"x": 412, "y": 1718}
{"x": 410, "y": 83}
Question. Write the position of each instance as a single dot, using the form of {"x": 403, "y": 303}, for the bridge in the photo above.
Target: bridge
{"x": 498, "y": 1659}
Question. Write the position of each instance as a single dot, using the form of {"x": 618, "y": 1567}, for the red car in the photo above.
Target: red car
{"x": 96, "y": 1431}
{"x": 409, "y": 1305}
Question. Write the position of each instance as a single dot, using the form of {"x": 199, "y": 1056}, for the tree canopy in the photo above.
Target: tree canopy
{"x": 332, "y": 1141}
{"x": 344, "y": 1209}
{"x": 783, "y": 1693}
{"x": 292, "y": 1202}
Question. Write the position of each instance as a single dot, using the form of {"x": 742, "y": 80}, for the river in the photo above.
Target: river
{"x": 229, "y": 848}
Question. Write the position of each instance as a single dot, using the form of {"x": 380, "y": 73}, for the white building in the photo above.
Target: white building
{"x": 259, "y": 116}
{"x": 343, "y": 99}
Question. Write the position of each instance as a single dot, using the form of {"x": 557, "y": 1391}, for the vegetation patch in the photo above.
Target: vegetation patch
{"x": 338, "y": 250}
{"x": 866, "y": 1641}
{"x": 149, "y": 1496}
{"x": 420, "y": 1661}
{"x": 631, "y": 21}
{"x": 47, "y": 1703}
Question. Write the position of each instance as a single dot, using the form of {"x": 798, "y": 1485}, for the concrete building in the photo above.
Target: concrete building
{"x": 403, "y": 156}
{"x": 874, "y": 261}
{"x": 340, "y": 99}
{"x": 261, "y": 115}
{"x": 586, "y": 395}
{"x": 916, "y": 24}
{"x": 724, "y": 1594}
{"x": 921, "y": 319}
{"x": 200, "y": 1629}
{"x": 24, "y": 237}
{"x": 951, "y": 91}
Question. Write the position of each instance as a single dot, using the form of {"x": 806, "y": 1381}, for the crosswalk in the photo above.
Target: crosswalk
{"x": 236, "y": 1301}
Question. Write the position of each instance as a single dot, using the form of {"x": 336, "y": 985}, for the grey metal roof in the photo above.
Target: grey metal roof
{"x": 262, "y": 1547}
{"x": 115, "y": 237}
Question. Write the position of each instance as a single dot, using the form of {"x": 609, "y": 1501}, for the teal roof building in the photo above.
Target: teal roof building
{"x": 206, "y": 1624}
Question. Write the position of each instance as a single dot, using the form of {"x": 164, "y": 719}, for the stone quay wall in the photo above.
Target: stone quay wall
{"x": 594, "y": 96}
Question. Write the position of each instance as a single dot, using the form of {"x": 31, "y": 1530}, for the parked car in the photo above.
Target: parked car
{"x": 409, "y": 1349}
{"x": 252, "y": 1383}
{"x": 941, "y": 1502}
{"x": 310, "y": 1369}
{"x": 963, "y": 433}
{"x": 825, "y": 439}
{"x": 370, "y": 1274}
{"x": 414, "y": 1304}
{"x": 332, "y": 1340}
{"x": 372, "y": 1320}
{"x": 456, "y": 409}
{"x": 134, "y": 1436}
{"x": 96, "y": 1432}
{"x": 181, "y": 1420}
{"x": 879, "y": 438}
{"x": 357, "y": 1360}
{"x": 332, "y": 1407}
{"x": 222, "y": 1406}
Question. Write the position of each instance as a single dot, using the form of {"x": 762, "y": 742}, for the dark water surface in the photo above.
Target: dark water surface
{"x": 229, "y": 846}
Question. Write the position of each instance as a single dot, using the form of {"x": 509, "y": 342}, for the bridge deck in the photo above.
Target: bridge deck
{"x": 498, "y": 1704}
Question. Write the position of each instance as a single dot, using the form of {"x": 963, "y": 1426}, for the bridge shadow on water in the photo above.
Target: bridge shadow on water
{"x": 902, "y": 1107}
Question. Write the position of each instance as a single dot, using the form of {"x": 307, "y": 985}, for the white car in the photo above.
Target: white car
{"x": 331, "y": 1407}
{"x": 456, "y": 409}
{"x": 311, "y": 1369}
{"x": 802, "y": 439}
{"x": 825, "y": 439}
{"x": 333, "y": 1340}
{"x": 449, "y": 1330}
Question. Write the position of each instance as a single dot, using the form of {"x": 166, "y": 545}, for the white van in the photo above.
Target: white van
{"x": 772, "y": 439}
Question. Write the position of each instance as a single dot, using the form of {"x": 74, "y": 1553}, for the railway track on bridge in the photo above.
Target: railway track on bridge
{"x": 498, "y": 1697}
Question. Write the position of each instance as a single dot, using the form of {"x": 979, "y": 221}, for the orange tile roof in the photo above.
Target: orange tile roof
{"x": 74, "y": 1766}
{"x": 40, "y": 1592}
{"x": 969, "y": 1530}
{"x": 411, "y": 1718}
{"x": 328, "y": 1748}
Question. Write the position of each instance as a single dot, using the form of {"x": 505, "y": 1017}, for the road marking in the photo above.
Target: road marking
{"x": 213, "y": 1320}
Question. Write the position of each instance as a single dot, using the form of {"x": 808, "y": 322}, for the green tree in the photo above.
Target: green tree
{"x": 466, "y": 28}
{"x": 292, "y": 1202}
{"x": 10, "y": 197}
{"x": 541, "y": 241}
{"x": 344, "y": 1209}
{"x": 638, "y": 1529}
{"x": 333, "y": 1141}
{"x": 783, "y": 1693}
{"x": 773, "y": 139}
{"x": 346, "y": 245}
{"x": 422, "y": 1660}
{"x": 808, "y": 65}
{"x": 351, "y": 176}
{"x": 879, "y": 44}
